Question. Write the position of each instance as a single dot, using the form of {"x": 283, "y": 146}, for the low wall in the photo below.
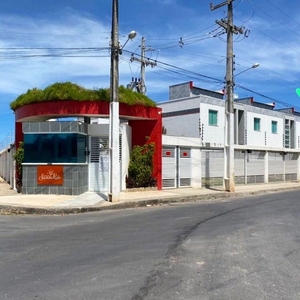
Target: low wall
{"x": 68, "y": 179}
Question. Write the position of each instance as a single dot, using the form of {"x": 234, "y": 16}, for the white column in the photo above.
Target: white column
{"x": 196, "y": 168}
{"x": 114, "y": 165}
{"x": 283, "y": 159}
{"x": 245, "y": 167}
{"x": 266, "y": 167}
{"x": 298, "y": 166}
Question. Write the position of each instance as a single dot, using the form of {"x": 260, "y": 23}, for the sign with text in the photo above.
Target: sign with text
{"x": 50, "y": 175}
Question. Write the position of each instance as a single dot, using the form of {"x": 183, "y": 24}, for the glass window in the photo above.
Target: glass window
{"x": 54, "y": 148}
{"x": 256, "y": 124}
{"x": 212, "y": 117}
{"x": 274, "y": 126}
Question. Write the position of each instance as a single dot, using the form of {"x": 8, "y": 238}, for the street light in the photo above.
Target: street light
{"x": 252, "y": 67}
{"x": 132, "y": 34}
{"x": 114, "y": 122}
{"x": 229, "y": 184}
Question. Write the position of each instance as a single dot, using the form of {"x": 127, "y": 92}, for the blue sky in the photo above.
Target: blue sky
{"x": 29, "y": 30}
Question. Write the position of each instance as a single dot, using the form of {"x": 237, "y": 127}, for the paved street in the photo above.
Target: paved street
{"x": 239, "y": 248}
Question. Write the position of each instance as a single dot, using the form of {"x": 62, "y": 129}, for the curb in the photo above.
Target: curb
{"x": 27, "y": 210}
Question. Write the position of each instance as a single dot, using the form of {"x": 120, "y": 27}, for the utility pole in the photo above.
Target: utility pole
{"x": 231, "y": 29}
{"x": 114, "y": 165}
{"x": 143, "y": 82}
{"x": 144, "y": 62}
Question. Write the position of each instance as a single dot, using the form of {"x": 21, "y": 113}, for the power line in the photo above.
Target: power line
{"x": 277, "y": 20}
{"x": 181, "y": 69}
{"x": 267, "y": 97}
{"x": 175, "y": 70}
{"x": 280, "y": 10}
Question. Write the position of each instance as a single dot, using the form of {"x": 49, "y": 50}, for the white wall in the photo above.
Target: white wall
{"x": 182, "y": 125}
{"x": 264, "y": 137}
{"x": 8, "y": 166}
{"x": 297, "y": 134}
{"x": 197, "y": 125}
{"x": 212, "y": 134}
{"x": 180, "y": 104}
{"x": 126, "y": 149}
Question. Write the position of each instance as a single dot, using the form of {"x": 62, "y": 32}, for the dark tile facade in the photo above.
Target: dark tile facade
{"x": 75, "y": 181}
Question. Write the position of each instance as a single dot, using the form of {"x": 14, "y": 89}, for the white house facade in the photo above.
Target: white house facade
{"x": 266, "y": 139}
{"x": 201, "y": 113}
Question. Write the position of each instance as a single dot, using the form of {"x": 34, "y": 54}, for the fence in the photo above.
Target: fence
{"x": 196, "y": 166}
{"x": 250, "y": 166}
{"x": 7, "y": 165}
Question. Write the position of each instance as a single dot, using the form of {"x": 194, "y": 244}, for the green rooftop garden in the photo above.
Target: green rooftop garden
{"x": 71, "y": 91}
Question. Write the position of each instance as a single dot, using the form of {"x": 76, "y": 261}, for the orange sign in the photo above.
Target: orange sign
{"x": 50, "y": 175}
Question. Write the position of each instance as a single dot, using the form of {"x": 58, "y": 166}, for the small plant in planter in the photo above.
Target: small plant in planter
{"x": 141, "y": 167}
{"x": 19, "y": 158}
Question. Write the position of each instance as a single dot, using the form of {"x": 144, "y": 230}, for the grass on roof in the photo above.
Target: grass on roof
{"x": 61, "y": 91}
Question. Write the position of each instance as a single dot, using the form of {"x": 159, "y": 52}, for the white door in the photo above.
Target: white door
{"x": 176, "y": 167}
{"x": 99, "y": 164}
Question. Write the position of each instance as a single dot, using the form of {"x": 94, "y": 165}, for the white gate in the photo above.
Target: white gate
{"x": 99, "y": 164}
{"x": 176, "y": 167}
{"x": 184, "y": 167}
{"x": 168, "y": 167}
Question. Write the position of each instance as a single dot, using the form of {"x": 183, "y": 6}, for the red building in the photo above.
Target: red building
{"x": 33, "y": 127}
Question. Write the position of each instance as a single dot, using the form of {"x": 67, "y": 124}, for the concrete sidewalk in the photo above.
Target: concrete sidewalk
{"x": 13, "y": 203}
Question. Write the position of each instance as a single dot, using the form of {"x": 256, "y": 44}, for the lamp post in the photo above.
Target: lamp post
{"x": 114, "y": 122}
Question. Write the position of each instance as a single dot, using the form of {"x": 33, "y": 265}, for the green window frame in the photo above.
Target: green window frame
{"x": 256, "y": 124}
{"x": 274, "y": 127}
{"x": 212, "y": 117}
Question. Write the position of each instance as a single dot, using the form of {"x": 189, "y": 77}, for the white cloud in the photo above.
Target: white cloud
{"x": 206, "y": 56}
{"x": 18, "y": 74}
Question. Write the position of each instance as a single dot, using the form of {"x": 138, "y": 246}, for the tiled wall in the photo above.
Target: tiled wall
{"x": 75, "y": 181}
{"x": 51, "y": 127}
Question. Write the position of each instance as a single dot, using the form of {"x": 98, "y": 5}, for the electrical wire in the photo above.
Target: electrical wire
{"x": 181, "y": 69}
{"x": 175, "y": 71}
{"x": 276, "y": 20}
{"x": 287, "y": 105}
{"x": 280, "y": 10}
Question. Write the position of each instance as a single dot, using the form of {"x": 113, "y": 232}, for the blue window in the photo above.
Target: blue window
{"x": 54, "y": 148}
{"x": 212, "y": 117}
{"x": 274, "y": 126}
{"x": 256, "y": 124}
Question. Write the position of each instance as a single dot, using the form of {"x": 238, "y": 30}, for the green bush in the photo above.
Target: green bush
{"x": 141, "y": 167}
{"x": 19, "y": 158}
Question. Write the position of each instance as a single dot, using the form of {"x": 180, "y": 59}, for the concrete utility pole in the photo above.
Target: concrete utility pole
{"x": 229, "y": 105}
{"x": 144, "y": 62}
{"x": 143, "y": 67}
{"x": 114, "y": 165}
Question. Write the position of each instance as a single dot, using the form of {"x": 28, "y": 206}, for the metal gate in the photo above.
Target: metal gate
{"x": 99, "y": 164}
{"x": 212, "y": 167}
{"x": 176, "y": 167}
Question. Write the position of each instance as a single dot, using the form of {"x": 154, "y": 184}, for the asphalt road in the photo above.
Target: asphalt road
{"x": 233, "y": 249}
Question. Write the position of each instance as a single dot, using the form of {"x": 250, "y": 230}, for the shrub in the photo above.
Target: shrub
{"x": 61, "y": 91}
{"x": 141, "y": 167}
{"x": 19, "y": 158}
